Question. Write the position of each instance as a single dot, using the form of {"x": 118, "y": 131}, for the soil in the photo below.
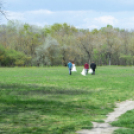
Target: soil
{"x": 106, "y": 128}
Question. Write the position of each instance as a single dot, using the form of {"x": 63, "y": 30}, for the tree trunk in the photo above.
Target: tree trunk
{"x": 100, "y": 60}
{"x": 89, "y": 61}
{"x": 109, "y": 59}
{"x": 38, "y": 64}
{"x": 43, "y": 60}
{"x": 63, "y": 61}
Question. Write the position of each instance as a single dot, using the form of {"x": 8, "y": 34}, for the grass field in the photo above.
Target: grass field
{"x": 126, "y": 121}
{"x": 49, "y": 101}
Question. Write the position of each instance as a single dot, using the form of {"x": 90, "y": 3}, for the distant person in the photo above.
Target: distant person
{"x": 69, "y": 67}
{"x": 83, "y": 72}
{"x": 86, "y": 67}
{"x": 73, "y": 67}
{"x": 93, "y": 67}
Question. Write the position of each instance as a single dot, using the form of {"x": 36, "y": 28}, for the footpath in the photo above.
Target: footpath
{"x": 106, "y": 128}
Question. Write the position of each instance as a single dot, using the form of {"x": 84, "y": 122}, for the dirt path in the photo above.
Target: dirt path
{"x": 105, "y": 128}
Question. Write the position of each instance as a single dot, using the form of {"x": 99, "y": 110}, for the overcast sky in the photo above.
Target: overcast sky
{"x": 79, "y": 13}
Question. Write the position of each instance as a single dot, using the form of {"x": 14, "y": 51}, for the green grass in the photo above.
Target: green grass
{"x": 126, "y": 121}
{"x": 124, "y": 131}
{"x": 50, "y": 101}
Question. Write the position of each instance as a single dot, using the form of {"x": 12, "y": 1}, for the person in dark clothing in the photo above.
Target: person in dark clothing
{"x": 86, "y": 67}
{"x": 93, "y": 67}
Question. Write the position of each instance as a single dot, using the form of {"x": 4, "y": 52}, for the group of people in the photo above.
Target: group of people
{"x": 86, "y": 70}
{"x": 71, "y": 67}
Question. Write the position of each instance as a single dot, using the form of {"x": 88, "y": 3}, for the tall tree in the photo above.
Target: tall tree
{"x": 109, "y": 41}
{"x": 87, "y": 43}
{"x": 47, "y": 52}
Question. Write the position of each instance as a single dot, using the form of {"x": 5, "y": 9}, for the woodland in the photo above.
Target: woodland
{"x": 57, "y": 44}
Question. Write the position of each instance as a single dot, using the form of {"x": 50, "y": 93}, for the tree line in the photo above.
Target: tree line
{"x": 31, "y": 45}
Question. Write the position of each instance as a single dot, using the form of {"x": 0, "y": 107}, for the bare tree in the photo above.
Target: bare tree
{"x": 87, "y": 43}
{"x": 2, "y": 12}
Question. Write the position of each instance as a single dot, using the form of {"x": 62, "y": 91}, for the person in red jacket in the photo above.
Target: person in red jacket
{"x": 86, "y": 67}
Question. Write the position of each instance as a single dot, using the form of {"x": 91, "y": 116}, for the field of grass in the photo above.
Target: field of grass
{"x": 50, "y": 101}
{"x": 126, "y": 121}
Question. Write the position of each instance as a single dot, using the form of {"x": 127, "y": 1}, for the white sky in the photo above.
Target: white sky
{"x": 79, "y": 13}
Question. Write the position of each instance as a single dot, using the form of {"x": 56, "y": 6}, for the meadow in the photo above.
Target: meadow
{"x": 50, "y": 101}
